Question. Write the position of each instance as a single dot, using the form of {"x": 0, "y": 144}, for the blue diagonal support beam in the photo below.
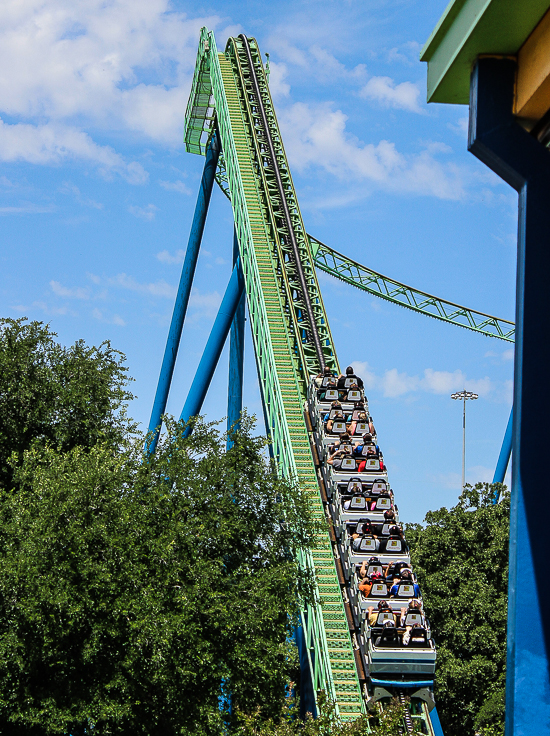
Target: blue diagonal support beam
{"x": 184, "y": 291}
{"x": 214, "y": 346}
{"x": 505, "y": 452}
{"x": 236, "y": 358}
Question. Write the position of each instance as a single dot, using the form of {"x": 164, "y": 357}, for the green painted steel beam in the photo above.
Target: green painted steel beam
{"x": 199, "y": 115}
{"x": 469, "y": 28}
{"x": 221, "y": 94}
{"x": 345, "y": 269}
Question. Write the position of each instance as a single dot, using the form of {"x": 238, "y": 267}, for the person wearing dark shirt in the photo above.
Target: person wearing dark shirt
{"x": 393, "y": 571}
{"x": 367, "y": 442}
{"x": 344, "y": 440}
{"x": 326, "y": 373}
{"x": 349, "y": 376}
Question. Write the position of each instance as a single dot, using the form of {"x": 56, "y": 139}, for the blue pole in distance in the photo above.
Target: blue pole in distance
{"x": 214, "y": 346}
{"x": 236, "y": 358}
{"x": 184, "y": 290}
{"x": 505, "y": 452}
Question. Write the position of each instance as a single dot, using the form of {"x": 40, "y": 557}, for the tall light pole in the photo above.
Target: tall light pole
{"x": 464, "y": 395}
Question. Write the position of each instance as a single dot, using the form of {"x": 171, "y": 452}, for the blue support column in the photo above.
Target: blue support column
{"x": 436, "y": 723}
{"x": 236, "y": 358}
{"x": 505, "y": 452}
{"x": 214, "y": 346}
{"x": 500, "y": 142}
{"x": 307, "y": 695}
{"x": 184, "y": 290}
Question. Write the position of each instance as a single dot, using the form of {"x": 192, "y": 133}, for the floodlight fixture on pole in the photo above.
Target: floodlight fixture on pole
{"x": 464, "y": 395}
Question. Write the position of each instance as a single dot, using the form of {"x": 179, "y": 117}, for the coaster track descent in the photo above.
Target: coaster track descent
{"x": 290, "y": 329}
{"x": 231, "y": 120}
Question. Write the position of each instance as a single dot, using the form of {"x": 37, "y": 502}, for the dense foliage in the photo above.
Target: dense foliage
{"x": 461, "y": 559}
{"x": 129, "y": 591}
{"x": 381, "y": 721}
{"x": 133, "y": 590}
{"x": 66, "y": 397}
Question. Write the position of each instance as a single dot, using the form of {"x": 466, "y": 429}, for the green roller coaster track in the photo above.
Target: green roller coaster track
{"x": 289, "y": 325}
{"x": 362, "y": 277}
{"x": 221, "y": 94}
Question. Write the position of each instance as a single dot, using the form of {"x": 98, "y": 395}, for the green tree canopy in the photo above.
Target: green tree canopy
{"x": 67, "y": 397}
{"x": 129, "y": 590}
{"x": 461, "y": 559}
{"x": 386, "y": 720}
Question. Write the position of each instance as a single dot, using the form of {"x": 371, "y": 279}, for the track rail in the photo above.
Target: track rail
{"x": 285, "y": 356}
{"x": 288, "y": 322}
{"x": 312, "y": 328}
{"x": 341, "y": 267}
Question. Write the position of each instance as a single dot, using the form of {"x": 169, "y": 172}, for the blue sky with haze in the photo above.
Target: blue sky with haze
{"x": 97, "y": 195}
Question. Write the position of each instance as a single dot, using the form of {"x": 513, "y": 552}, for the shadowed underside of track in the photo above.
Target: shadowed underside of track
{"x": 289, "y": 326}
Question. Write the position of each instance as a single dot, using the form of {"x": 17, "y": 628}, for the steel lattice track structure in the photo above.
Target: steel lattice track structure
{"x": 223, "y": 92}
{"x": 230, "y": 108}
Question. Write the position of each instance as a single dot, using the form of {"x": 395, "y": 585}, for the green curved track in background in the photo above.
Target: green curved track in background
{"x": 341, "y": 267}
{"x": 336, "y": 264}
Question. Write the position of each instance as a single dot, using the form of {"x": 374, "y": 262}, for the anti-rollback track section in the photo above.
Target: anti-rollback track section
{"x": 275, "y": 167}
{"x": 285, "y": 351}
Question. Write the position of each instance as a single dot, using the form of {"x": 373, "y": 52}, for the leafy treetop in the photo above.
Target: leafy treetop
{"x": 460, "y": 557}
{"x": 67, "y": 397}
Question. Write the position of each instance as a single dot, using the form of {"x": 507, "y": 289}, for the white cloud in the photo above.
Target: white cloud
{"x": 277, "y": 84}
{"x": 461, "y": 127}
{"x": 386, "y": 92}
{"x": 453, "y": 481}
{"x": 28, "y": 209}
{"x": 157, "y": 288}
{"x": 44, "y": 307}
{"x": 208, "y": 303}
{"x": 505, "y": 356}
{"x": 328, "y": 68}
{"x": 175, "y": 186}
{"x": 70, "y": 293}
{"x": 114, "y": 319}
{"x": 479, "y": 474}
{"x": 316, "y": 136}
{"x": 362, "y": 369}
{"x": 393, "y": 384}
{"x": 406, "y": 53}
{"x": 72, "y": 58}
{"x": 55, "y": 143}
{"x": 69, "y": 188}
{"x": 74, "y": 66}
{"x": 166, "y": 257}
{"x": 144, "y": 213}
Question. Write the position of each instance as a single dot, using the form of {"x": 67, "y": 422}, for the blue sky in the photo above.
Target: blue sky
{"x": 97, "y": 195}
